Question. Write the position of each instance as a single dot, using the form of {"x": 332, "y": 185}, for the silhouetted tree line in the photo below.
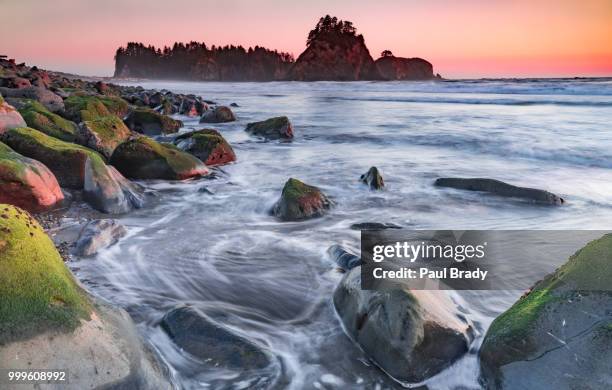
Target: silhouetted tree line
{"x": 332, "y": 27}
{"x": 196, "y": 61}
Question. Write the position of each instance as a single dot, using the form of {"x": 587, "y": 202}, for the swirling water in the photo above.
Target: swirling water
{"x": 272, "y": 282}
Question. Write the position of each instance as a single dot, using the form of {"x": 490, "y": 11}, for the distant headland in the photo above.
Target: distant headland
{"x": 334, "y": 52}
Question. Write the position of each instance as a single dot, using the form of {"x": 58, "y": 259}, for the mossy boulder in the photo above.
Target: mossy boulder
{"x": 149, "y": 122}
{"x": 144, "y": 158}
{"x": 38, "y": 292}
{"x": 208, "y": 145}
{"x": 10, "y": 118}
{"x": 555, "y": 336}
{"x": 50, "y": 100}
{"x": 300, "y": 201}
{"x": 27, "y": 183}
{"x": 274, "y": 128}
{"x": 103, "y": 134}
{"x": 219, "y": 114}
{"x": 40, "y": 118}
{"x": 81, "y": 107}
{"x": 411, "y": 335}
{"x": 373, "y": 179}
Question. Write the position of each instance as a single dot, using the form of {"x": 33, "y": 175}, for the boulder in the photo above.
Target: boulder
{"x": 144, "y": 158}
{"x": 559, "y": 335}
{"x": 374, "y": 226}
{"x": 81, "y": 107}
{"x": 219, "y": 114}
{"x": 18, "y": 82}
{"x": 300, "y": 201}
{"x": 10, "y": 118}
{"x": 343, "y": 258}
{"x": 103, "y": 134}
{"x": 500, "y": 188}
{"x": 48, "y": 321}
{"x": 97, "y": 235}
{"x": 411, "y": 335}
{"x": 211, "y": 343}
{"x": 149, "y": 122}
{"x": 373, "y": 179}
{"x": 398, "y": 68}
{"x": 40, "y": 118}
{"x": 50, "y": 100}
{"x": 27, "y": 183}
{"x": 273, "y": 128}
{"x": 208, "y": 145}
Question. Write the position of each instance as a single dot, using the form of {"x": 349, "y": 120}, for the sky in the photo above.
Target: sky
{"x": 462, "y": 38}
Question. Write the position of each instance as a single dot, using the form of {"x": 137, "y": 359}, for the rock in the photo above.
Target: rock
{"x": 49, "y": 321}
{"x": 81, "y": 107}
{"x": 398, "y": 68}
{"x": 300, "y": 201}
{"x": 343, "y": 258}
{"x": 27, "y": 183}
{"x": 218, "y": 115}
{"x": 211, "y": 343}
{"x": 234, "y": 105}
{"x": 205, "y": 190}
{"x": 500, "y": 188}
{"x": 9, "y": 117}
{"x": 18, "y": 82}
{"x": 97, "y": 235}
{"x": 374, "y": 226}
{"x": 208, "y": 145}
{"x": 51, "y": 101}
{"x": 103, "y": 134}
{"x": 40, "y": 118}
{"x": 559, "y": 335}
{"x": 273, "y": 128}
{"x": 143, "y": 158}
{"x": 411, "y": 335}
{"x": 373, "y": 179}
{"x": 149, "y": 122}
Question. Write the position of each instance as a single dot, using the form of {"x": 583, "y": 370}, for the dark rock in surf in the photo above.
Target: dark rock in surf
{"x": 97, "y": 235}
{"x": 208, "y": 145}
{"x": 300, "y": 201}
{"x": 219, "y": 114}
{"x": 274, "y": 128}
{"x": 559, "y": 335}
{"x": 149, "y": 122}
{"x": 373, "y": 179}
{"x": 343, "y": 258}
{"x": 500, "y": 188}
{"x": 411, "y": 335}
{"x": 211, "y": 343}
{"x": 234, "y": 105}
{"x": 374, "y": 226}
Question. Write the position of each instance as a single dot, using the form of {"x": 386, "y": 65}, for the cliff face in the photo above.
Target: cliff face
{"x": 335, "y": 57}
{"x": 398, "y": 68}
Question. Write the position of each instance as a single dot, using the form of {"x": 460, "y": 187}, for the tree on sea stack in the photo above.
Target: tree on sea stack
{"x": 386, "y": 53}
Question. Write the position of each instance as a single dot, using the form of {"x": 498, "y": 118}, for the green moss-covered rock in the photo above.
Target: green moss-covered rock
{"x": 40, "y": 118}
{"x": 37, "y": 291}
{"x": 274, "y": 128}
{"x": 144, "y": 158}
{"x": 300, "y": 201}
{"x": 534, "y": 342}
{"x": 208, "y": 145}
{"x": 103, "y": 134}
{"x": 89, "y": 107}
{"x": 149, "y": 122}
{"x": 10, "y": 118}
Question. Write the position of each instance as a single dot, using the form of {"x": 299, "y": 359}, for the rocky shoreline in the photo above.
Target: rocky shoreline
{"x": 81, "y": 151}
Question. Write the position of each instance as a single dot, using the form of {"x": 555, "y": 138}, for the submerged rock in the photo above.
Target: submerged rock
{"x": 343, "y": 258}
{"x": 144, "y": 158}
{"x": 559, "y": 335}
{"x": 411, "y": 335}
{"x": 500, "y": 188}
{"x": 218, "y": 115}
{"x": 98, "y": 234}
{"x": 10, "y": 118}
{"x": 374, "y": 226}
{"x": 40, "y": 118}
{"x": 373, "y": 179}
{"x": 273, "y": 128}
{"x": 48, "y": 320}
{"x": 50, "y": 100}
{"x": 211, "y": 343}
{"x": 208, "y": 145}
{"x": 103, "y": 134}
{"x": 27, "y": 183}
{"x": 300, "y": 201}
{"x": 149, "y": 122}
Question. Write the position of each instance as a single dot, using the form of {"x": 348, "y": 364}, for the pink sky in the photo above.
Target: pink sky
{"x": 469, "y": 38}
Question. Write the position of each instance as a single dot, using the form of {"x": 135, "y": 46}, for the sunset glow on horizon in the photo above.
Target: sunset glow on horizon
{"x": 462, "y": 39}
